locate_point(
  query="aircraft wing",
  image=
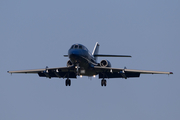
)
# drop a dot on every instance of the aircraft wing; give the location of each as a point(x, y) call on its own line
point(104, 55)
point(27, 71)
point(50, 72)
point(147, 72)
point(108, 72)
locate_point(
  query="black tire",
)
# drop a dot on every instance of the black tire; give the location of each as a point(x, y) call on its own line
point(69, 82)
point(105, 82)
point(66, 82)
point(102, 82)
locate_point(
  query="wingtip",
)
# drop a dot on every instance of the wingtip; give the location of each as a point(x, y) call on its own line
point(171, 72)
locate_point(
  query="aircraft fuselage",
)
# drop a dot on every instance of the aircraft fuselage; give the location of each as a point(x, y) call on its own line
point(80, 57)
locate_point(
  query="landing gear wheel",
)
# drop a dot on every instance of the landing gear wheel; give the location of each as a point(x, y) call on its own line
point(68, 82)
point(103, 82)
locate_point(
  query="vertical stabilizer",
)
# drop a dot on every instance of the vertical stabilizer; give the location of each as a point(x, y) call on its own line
point(96, 50)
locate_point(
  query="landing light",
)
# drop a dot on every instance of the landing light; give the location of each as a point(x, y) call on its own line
point(94, 76)
point(81, 76)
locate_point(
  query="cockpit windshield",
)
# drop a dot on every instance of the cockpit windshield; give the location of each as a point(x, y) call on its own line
point(72, 47)
point(78, 46)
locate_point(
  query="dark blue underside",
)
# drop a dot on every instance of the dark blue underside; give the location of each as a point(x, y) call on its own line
point(118, 75)
point(62, 74)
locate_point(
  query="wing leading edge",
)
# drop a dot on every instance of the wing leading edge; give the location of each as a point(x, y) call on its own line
point(61, 72)
point(101, 69)
point(108, 72)
point(104, 55)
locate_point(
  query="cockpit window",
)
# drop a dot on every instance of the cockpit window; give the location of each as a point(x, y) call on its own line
point(80, 46)
point(72, 46)
point(76, 46)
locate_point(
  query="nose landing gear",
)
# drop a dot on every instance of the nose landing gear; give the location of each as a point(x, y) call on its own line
point(77, 69)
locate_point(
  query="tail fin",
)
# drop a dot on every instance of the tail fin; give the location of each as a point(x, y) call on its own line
point(96, 50)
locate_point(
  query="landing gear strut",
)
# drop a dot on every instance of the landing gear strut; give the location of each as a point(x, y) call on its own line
point(77, 70)
point(68, 82)
point(103, 82)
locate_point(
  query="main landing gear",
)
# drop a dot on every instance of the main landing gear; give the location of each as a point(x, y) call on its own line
point(103, 82)
point(68, 82)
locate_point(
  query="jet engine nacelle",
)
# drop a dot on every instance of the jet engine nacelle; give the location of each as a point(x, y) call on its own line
point(69, 63)
point(105, 63)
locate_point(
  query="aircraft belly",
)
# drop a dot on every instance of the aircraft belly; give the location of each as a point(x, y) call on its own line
point(87, 72)
point(86, 68)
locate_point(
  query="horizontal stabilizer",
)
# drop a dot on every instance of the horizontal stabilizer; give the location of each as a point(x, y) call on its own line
point(103, 55)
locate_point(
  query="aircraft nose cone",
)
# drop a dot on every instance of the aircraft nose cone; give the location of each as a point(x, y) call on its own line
point(74, 54)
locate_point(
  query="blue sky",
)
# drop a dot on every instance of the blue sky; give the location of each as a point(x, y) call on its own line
point(36, 34)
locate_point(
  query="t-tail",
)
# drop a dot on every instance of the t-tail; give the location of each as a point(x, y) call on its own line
point(96, 50)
